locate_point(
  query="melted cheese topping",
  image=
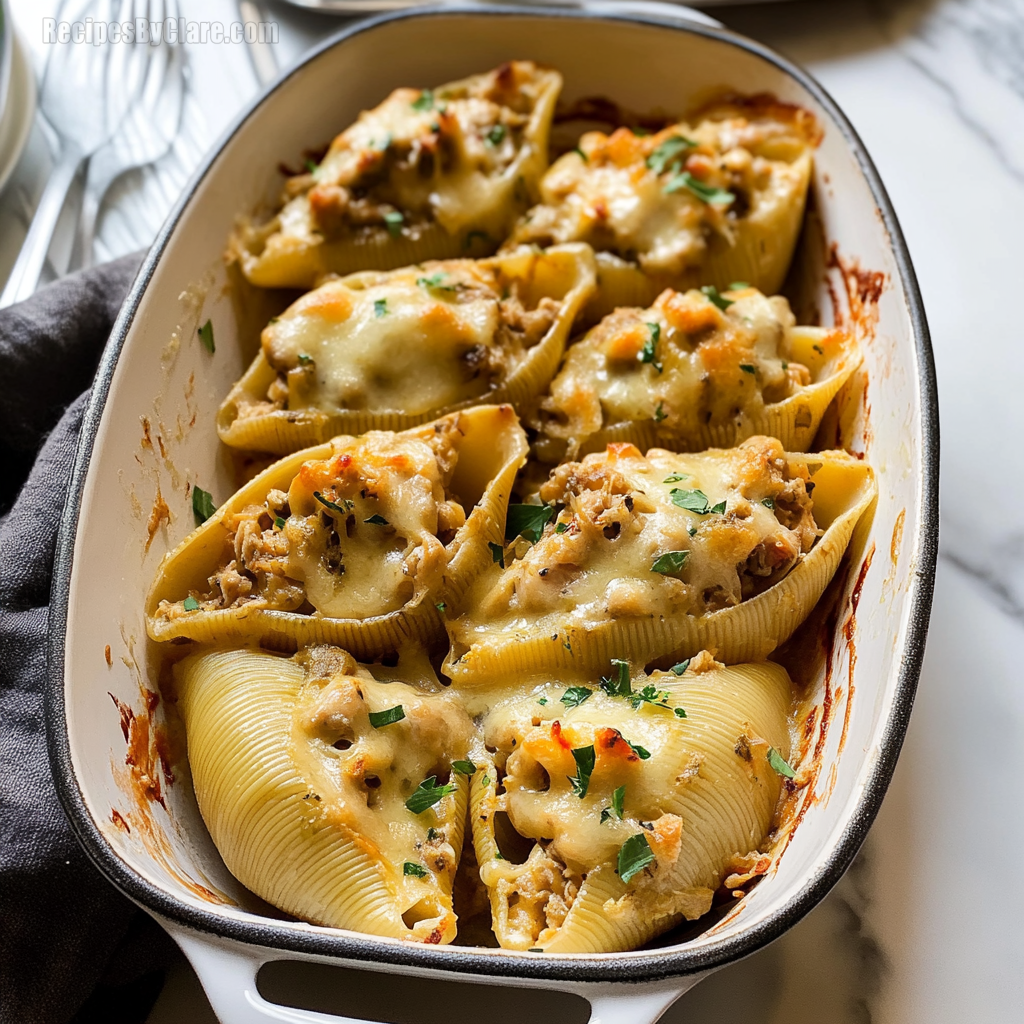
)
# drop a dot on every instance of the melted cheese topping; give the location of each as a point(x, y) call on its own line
point(360, 534)
point(629, 195)
point(430, 155)
point(683, 363)
point(410, 341)
point(624, 545)
point(360, 775)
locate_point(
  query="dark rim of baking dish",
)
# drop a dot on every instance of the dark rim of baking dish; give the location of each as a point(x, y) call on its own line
point(637, 966)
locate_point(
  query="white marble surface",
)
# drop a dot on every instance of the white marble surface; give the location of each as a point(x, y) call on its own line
point(924, 928)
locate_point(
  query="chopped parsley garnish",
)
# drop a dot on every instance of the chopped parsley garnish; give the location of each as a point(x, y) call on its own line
point(584, 758)
point(394, 220)
point(190, 604)
point(711, 293)
point(486, 781)
point(206, 337)
point(817, 348)
point(432, 834)
point(497, 553)
point(436, 283)
point(427, 794)
point(668, 152)
point(659, 413)
point(304, 359)
point(575, 696)
point(737, 286)
point(618, 685)
point(561, 527)
point(670, 562)
point(417, 870)
point(718, 509)
point(779, 763)
point(583, 156)
point(692, 531)
point(202, 505)
point(675, 478)
point(768, 502)
point(377, 520)
point(680, 667)
point(544, 701)
point(311, 166)
point(527, 521)
point(378, 719)
point(748, 368)
point(497, 134)
point(615, 811)
point(464, 767)
point(334, 506)
point(634, 856)
point(380, 307)
point(441, 606)
point(425, 101)
point(279, 522)
point(647, 353)
point(705, 193)
point(693, 501)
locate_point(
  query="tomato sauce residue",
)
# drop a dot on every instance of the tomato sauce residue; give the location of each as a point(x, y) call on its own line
point(863, 291)
point(158, 515)
point(145, 777)
point(849, 629)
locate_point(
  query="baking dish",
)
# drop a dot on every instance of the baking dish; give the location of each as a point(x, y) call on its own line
point(148, 439)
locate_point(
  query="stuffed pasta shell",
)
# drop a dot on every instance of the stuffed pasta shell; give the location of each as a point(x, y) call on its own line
point(615, 807)
point(712, 202)
point(698, 369)
point(395, 348)
point(355, 542)
point(327, 786)
point(647, 557)
point(429, 173)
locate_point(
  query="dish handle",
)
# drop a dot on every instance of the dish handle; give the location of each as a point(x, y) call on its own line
point(228, 970)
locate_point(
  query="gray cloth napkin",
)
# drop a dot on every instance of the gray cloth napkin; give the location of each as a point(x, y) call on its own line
point(72, 948)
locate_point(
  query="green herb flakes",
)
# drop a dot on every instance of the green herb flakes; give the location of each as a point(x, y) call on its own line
point(497, 553)
point(659, 413)
point(497, 134)
point(693, 501)
point(711, 293)
point(464, 767)
point(575, 696)
point(779, 764)
point(670, 562)
point(393, 221)
point(675, 478)
point(585, 758)
point(768, 502)
point(680, 667)
point(527, 521)
point(561, 527)
point(202, 505)
point(427, 794)
point(344, 509)
point(380, 307)
point(748, 368)
point(737, 286)
point(618, 685)
point(190, 604)
point(304, 359)
point(634, 856)
point(667, 153)
point(441, 606)
point(379, 719)
point(206, 337)
point(279, 522)
point(583, 156)
point(425, 101)
point(416, 870)
point(377, 520)
point(705, 193)
point(647, 353)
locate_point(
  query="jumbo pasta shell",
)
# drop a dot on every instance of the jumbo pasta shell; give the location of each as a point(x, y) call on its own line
point(703, 795)
point(282, 763)
point(488, 446)
point(562, 274)
point(747, 631)
point(461, 210)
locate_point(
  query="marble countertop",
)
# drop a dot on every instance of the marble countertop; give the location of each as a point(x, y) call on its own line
point(916, 931)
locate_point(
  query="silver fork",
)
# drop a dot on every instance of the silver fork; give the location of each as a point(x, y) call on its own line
point(86, 91)
point(145, 135)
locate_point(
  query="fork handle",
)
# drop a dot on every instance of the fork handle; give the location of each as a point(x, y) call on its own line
point(29, 266)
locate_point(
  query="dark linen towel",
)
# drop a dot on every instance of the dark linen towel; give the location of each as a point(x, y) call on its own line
point(72, 948)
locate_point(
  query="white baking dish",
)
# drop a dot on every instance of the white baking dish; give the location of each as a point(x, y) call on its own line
point(149, 431)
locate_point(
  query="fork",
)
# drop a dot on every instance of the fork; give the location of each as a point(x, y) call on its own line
point(147, 132)
point(86, 91)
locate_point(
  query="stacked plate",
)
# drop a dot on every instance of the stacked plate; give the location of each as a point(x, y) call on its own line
point(17, 94)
